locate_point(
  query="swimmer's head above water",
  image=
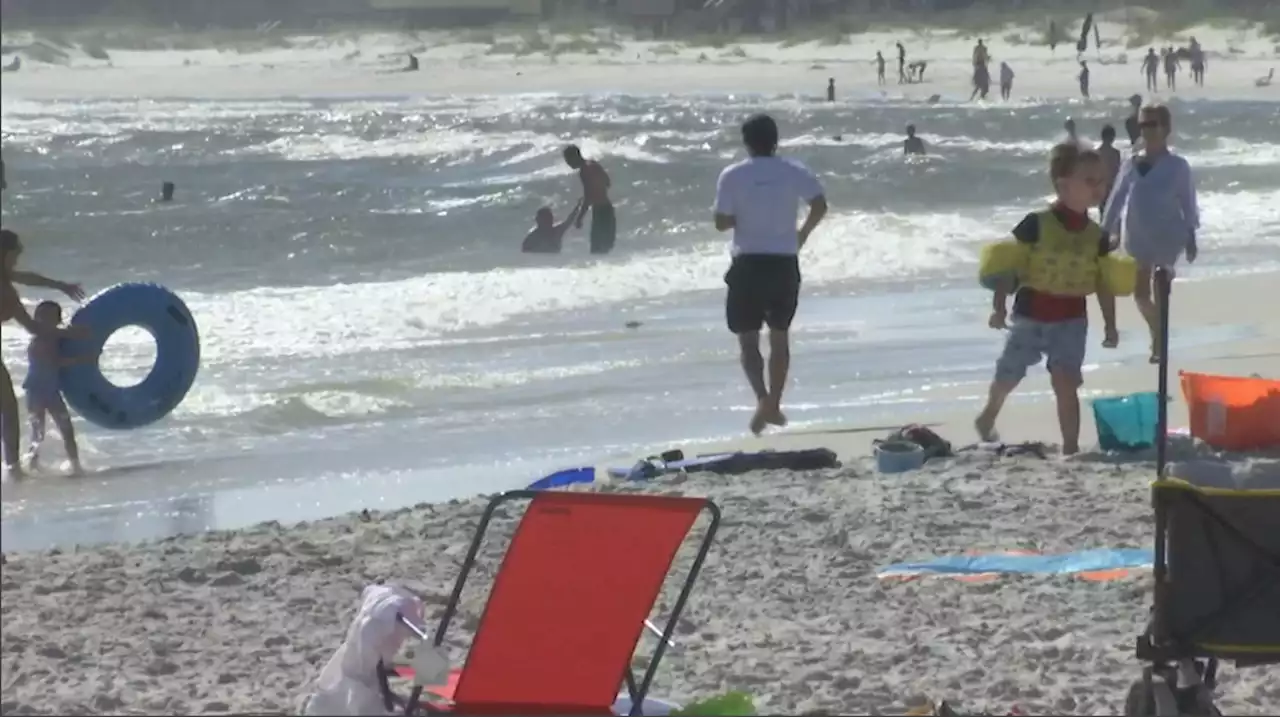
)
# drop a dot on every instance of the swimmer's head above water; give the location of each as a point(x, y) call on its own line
point(911, 130)
point(544, 219)
point(573, 157)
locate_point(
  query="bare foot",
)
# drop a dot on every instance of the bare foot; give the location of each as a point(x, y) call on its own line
point(1070, 449)
point(776, 417)
point(1155, 358)
point(986, 428)
point(759, 420)
point(76, 469)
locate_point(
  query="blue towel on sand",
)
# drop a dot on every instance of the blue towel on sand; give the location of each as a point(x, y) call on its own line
point(1065, 564)
point(569, 476)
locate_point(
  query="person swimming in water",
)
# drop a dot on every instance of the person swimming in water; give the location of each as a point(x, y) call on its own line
point(11, 308)
point(43, 388)
point(595, 196)
point(547, 237)
point(913, 144)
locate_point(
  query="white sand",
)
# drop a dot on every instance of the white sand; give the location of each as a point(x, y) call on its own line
point(788, 607)
point(365, 65)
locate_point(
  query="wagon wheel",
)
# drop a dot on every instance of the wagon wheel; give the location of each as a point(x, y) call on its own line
point(1139, 702)
point(1150, 697)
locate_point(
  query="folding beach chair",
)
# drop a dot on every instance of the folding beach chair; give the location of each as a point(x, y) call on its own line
point(1217, 581)
point(568, 605)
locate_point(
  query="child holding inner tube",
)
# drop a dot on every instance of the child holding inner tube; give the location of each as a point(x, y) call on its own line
point(44, 393)
point(1066, 252)
point(11, 308)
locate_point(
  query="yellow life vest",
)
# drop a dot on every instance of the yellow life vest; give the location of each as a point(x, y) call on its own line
point(1060, 262)
point(1063, 262)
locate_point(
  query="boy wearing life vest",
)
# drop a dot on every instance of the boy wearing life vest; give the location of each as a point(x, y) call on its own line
point(1050, 314)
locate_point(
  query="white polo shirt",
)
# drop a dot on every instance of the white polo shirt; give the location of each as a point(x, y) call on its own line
point(763, 195)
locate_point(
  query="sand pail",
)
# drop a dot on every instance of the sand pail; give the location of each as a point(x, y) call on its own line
point(1127, 423)
point(1233, 413)
point(898, 456)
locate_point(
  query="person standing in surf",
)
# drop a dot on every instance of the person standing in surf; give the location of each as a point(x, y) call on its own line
point(11, 308)
point(595, 197)
point(42, 385)
point(758, 199)
point(1155, 197)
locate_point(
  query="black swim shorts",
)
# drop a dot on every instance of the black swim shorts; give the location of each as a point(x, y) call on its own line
point(604, 228)
point(763, 289)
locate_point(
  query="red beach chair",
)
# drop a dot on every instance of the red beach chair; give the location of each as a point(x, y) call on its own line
point(568, 604)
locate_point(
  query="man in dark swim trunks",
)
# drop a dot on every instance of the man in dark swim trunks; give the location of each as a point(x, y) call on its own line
point(758, 199)
point(595, 196)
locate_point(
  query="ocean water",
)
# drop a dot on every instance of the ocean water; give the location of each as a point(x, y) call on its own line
point(372, 336)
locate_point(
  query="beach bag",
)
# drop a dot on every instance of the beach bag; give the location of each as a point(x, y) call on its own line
point(934, 446)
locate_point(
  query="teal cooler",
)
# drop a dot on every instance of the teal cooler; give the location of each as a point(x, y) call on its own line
point(1127, 423)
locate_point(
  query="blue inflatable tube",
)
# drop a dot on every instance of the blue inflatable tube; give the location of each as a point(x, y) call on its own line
point(162, 314)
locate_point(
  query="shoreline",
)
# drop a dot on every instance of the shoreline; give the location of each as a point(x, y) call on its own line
point(1029, 416)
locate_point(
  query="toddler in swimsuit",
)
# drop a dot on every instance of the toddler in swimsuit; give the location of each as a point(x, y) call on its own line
point(44, 392)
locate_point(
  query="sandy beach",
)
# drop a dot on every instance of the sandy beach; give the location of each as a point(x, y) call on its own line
point(788, 608)
point(240, 621)
point(533, 60)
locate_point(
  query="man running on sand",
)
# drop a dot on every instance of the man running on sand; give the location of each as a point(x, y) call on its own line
point(1155, 197)
point(11, 308)
point(758, 198)
point(595, 195)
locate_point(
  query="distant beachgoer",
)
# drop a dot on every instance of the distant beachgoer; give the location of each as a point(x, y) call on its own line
point(1053, 36)
point(11, 308)
point(14, 65)
point(1006, 80)
point(913, 144)
point(915, 71)
point(758, 199)
point(1051, 321)
point(1171, 67)
point(413, 63)
point(980, 54)
point(981, 82)
point(1070, 128)
point(1111, 161)
point(1150, 65)
point(595, 195)
point(166, 191)
point(1155, 197)
point(44, 392)
point(902, 64)
point(1131, 122)
point(831, 89)
point(547, 237)
point(1084, 79)
point(879, 68)
point(1197, 62)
